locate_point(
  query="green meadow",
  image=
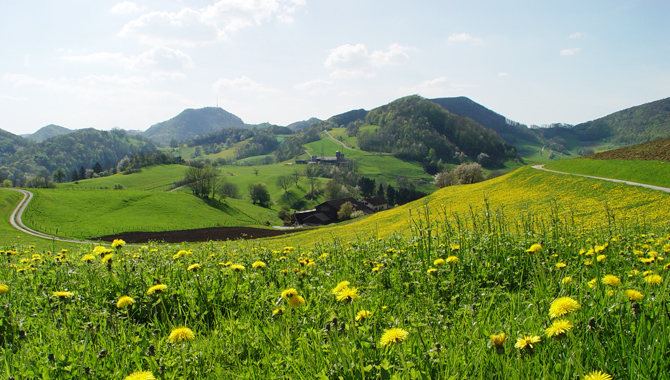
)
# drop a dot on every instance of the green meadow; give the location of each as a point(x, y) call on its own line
point(649, 172)
point(157, 178)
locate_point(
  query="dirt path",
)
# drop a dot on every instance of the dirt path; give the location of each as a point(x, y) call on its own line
point(336, 140)
point(659, 188)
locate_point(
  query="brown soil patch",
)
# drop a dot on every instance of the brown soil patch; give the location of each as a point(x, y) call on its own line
point(199, 235)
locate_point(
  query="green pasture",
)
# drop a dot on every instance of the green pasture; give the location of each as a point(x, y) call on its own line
point(158, 178)
point(648, 172)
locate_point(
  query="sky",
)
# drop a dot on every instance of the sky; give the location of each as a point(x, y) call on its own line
point(131, 64)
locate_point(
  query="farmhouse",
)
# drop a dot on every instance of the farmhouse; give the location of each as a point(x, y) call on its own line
point(338, 159)
point(326, 212)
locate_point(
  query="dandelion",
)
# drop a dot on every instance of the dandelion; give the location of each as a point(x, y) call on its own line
point(611, 280)
point(558, 327)
point(193, 267)
point(561, 265)
point(601, 258)
point(124, 301)
point(348, 295)
point(62, 295)
point(393, 336)
point(146, 375)
point(237, 267)
point(88, 258)
point(527, 341)
point(118, 243)
point(438, 262)
point(653, 279)
point(278, 311)
point(452, 259)
point(592, 283)
point(181, 334)
point(633, 295)
point(562, 306)
point(431, 271)
point(455, 247)
point(107, 258)
point(362, 315)
point(497, 339)
point(258, 264)
point(534, 248)
point(566, 280)
point(597, 375)
point(158, 289)
point(296, 301)
point(289, 293)
point(4, 288)
point(341, 285)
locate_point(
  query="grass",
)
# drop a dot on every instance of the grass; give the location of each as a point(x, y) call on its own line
point(489, 283)
point(158, 178)
point(648, 172)
point(92, 213)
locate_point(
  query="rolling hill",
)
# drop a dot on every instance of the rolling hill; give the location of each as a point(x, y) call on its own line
point(48, 132)
point(191, 123)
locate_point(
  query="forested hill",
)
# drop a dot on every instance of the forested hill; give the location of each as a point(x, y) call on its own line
point(11, 143)
point(48, 132)
point(418, 129)
point(509, 130)
point(191, 123)
point(81, 148)
point(635, 125)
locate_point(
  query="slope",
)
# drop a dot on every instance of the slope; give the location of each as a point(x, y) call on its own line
point(48, 132)
point(190, 123)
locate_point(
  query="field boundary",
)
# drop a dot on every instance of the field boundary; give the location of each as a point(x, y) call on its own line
point(652, 187)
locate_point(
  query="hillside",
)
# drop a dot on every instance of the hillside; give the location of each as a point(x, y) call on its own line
point(510, 131)
point(48, 132)
point(630, 126)
point(658, 150)
point(191, 123)
point(417, 129)
point(11, 143)
point(300, 125)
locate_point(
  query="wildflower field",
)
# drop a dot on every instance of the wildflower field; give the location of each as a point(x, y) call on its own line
point(524, 284)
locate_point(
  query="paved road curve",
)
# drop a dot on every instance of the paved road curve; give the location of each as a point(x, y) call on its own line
point(659, 188)
point(16, 222)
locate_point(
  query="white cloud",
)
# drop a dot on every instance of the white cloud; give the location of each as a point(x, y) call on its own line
point(503, 74)
point(314, 85)
point(158, 59)
point(354, 61)
point(571, 51)
point(240, 84)
point(577, 35)
point(209, 24)
point(126, 7)
point(463, 37)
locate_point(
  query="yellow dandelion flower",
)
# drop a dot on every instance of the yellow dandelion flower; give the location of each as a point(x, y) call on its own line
point(645, 260)
point(181, 334)
point(258, 264)
point(452, 259)
point(146, 375)
point(561, 265)
point(597, 375)
point(62, 295)
point(558, 327)
point(4, 288)
point(158, 289)
point(566, 280)
point(278, 311)
point(534, 248)
point(118, 243)
point(237, 267)
point(341, 285)
point(108, 257)
point(611, 280)
point(497, 339)
point(527, 341)
point(193, 267)
point(124, 301)
point(653, 279)
point(633, 272)
point(289, 293)
point(633, 295)
point(362, 315)
point(296, 301)
point(455, 247)
point(88, 258)
point(438, 262)
point(431, 271)
point(347, 295)
point(393, 336)
point(592, 283)
point(588, 262)
point(562, 306)
point(601, 258)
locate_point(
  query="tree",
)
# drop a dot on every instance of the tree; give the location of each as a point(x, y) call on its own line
point(345, 211)
point(82, 173)
point(229, 189)
point(6, 183)
point(390, 195)
point(367, 186)
point(201, 179)
point(286, 215)
point(380, 192)
point(259, 194)
point(296, 176)
point(59, 175)
point(97, 168)
point(445, 178)
point(284, 181)
point(469, 173)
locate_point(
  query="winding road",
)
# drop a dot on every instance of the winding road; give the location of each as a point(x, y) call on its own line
point(659, 188)
point(16, 221)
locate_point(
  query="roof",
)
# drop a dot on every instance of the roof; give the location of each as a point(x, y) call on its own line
point(376, 201)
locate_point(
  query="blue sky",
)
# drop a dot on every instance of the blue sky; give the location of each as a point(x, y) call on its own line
point(130, 64)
